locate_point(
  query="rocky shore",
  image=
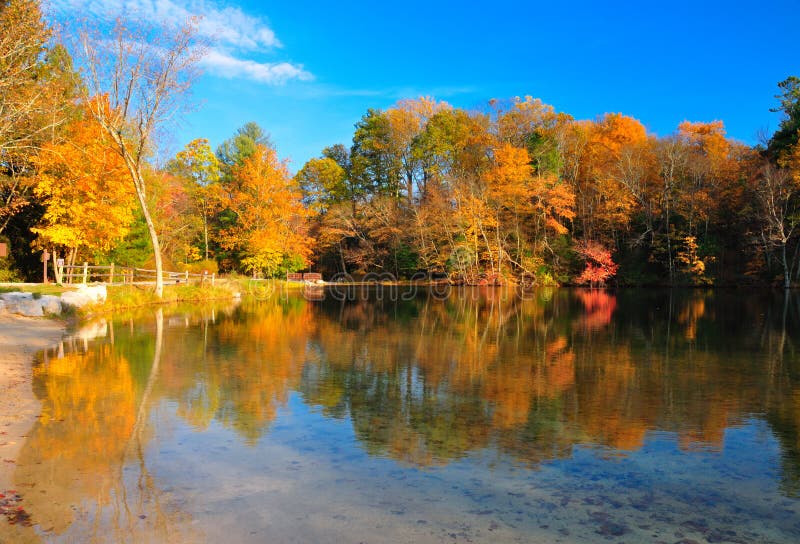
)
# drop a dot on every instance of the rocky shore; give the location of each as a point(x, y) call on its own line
point(33, 305)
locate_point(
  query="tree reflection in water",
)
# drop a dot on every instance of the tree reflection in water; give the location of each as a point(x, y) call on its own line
point(423, 382)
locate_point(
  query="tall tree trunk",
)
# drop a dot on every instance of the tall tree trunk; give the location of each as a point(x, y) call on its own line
point(786, 274)
point(151, 229)
point(669, 241)
point(205, 229)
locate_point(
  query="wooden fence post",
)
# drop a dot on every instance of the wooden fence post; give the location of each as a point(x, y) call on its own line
point(187, 277)
point(85, 272)
point(212, 278)
point(111, 274)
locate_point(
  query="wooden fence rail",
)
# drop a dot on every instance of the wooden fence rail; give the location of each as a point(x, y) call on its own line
point(127, 275)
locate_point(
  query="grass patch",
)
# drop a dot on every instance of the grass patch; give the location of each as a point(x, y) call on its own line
point(37, 289)
point(135, 296)
point(132, 296)
point(264, 289)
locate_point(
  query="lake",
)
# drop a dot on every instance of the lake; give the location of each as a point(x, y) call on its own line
point(454, 415)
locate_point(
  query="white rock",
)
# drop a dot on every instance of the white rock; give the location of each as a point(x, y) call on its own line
point(15, 296)
point(96, 293)
point(50, 304)
point(85, 294)
point(2, 306)
point(26, 307)
point(75, 299)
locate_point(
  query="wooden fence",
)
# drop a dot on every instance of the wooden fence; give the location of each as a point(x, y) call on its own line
point(127, 275)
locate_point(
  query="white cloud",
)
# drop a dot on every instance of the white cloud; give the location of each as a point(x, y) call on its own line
point(221, 64)
point(234, 33)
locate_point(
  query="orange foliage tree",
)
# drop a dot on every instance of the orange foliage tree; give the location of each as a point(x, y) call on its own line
point(271, 221)
point(84, 186)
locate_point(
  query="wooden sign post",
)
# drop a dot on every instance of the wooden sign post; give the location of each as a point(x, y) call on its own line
point(45, 257)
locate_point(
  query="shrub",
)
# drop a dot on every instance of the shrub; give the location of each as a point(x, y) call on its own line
point(210, 266)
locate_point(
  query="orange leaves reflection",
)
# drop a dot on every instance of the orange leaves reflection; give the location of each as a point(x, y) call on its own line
point(77, 448)
point(426, 381)
point(599, 305)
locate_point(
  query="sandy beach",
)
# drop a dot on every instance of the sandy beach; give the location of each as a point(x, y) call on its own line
point(20, 339)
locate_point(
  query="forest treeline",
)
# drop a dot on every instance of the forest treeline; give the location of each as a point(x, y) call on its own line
point(515, 191)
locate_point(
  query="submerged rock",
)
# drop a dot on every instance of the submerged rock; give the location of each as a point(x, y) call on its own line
point(612, 528)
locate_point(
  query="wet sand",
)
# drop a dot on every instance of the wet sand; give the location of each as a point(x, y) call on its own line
point(20, 339)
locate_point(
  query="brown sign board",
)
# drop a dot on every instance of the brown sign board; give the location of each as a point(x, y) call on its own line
point(3, 249)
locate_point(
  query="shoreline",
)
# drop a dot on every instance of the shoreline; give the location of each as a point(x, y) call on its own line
point(20, 339)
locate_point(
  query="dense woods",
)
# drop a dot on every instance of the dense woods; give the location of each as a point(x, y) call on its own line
point(513, 192)
point(521, 190)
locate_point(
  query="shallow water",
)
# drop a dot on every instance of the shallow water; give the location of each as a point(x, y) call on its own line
point(480, 416)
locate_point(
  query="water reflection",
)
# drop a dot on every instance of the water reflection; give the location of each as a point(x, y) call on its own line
point(426, 383)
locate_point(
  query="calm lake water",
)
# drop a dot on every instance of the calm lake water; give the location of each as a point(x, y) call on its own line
point(563, 416)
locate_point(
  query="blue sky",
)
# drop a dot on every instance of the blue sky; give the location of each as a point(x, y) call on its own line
point(306, 70)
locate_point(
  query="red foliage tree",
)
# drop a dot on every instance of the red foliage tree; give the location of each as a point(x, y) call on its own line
point(600, 267)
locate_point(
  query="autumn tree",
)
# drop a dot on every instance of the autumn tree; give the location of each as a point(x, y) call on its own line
point(459, 144)
point(144, 72)
point(270, 228)
point(600, 266)
point(84, 187)
point(373, 164)
point(604, 204)
point(37, 88)
point(518, 121)
point(177, 216)
point(200, 165)
point(406, 122)
point(32, 95)
point(520, 188)
point(231, 153)
point(323, 183)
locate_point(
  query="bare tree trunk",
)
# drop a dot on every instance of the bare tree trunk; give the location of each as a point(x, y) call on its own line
point(141, 194)
point(767, 254)
point(205, 229)
point(786, 274)
point(56, 269)
point(134, 84)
